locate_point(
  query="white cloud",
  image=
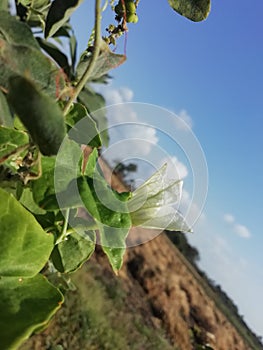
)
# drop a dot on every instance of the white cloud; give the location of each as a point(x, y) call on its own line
point(184, 120)
point(115, 95)
point(228, 218)
point(129, 138)
point(175, 168)
point(240, 230)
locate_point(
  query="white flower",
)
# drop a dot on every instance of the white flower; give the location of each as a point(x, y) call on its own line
point(153, 205)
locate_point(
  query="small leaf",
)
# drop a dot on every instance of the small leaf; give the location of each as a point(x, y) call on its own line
point(83, 128)
point(59, 12)
point(26, 304)
point(70, 254)
point(195, 10)
point(91, 163)
point(73, 49)
point(25, 246)
point(10, 139)
point(106, 61)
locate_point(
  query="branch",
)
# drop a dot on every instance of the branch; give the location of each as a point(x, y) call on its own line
point(82, 82)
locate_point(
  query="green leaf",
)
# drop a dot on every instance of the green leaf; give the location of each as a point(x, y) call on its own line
point(5, 113)
point(28, 202)
point(73, 49)
point(95, 103)
point(10, 139)
point(105, 205)
point(113, 244)
point(83, 128)
point(27, 61)
point(195, 10)
point(110, 211)
point(43, 187)
point(40, 114)
point(106, 61)
point(70, 254)
point(26, 304)
point(33, 11)
point(16, 32)
point(25, 246)
point(56, 54)
point(64, 168)
point(59, 12)
point(152, 204)
point(91, 163)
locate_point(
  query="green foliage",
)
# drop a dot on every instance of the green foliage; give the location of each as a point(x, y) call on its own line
point(71, 253)
point(53, 196)
point(39, 113)
point(195, 10)
point(58, 14)
point(26, 305)
point(27, 299)
point(106, 61)
point(10, 140)
point(25, 247)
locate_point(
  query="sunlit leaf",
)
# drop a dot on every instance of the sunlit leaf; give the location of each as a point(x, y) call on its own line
point(26, 304)
point(195, 10)
point(59, 12)
point(106, 61)
point(25, 246)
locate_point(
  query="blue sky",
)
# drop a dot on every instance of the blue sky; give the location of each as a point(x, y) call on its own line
point(211, 74)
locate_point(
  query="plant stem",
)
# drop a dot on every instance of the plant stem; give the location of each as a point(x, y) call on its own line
point(65, 227)
point(82, 82)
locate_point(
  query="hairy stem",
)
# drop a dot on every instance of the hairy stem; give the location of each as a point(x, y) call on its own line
point(82, 82)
